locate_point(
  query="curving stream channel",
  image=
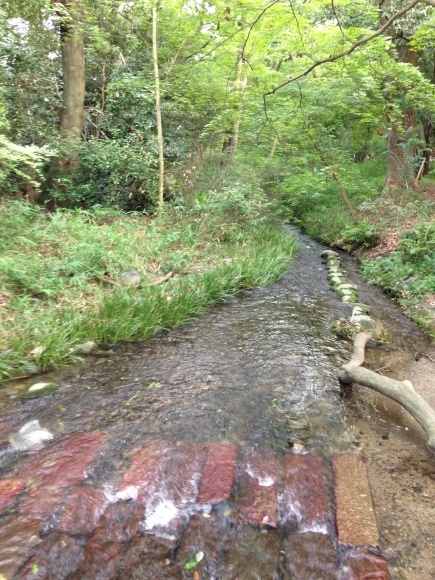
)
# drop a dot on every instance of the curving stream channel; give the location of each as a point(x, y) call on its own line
point(258, 372)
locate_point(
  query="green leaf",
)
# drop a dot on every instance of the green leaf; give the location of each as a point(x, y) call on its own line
point(190, 565)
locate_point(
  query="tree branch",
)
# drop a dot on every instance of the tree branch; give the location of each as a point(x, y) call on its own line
point(354, 46)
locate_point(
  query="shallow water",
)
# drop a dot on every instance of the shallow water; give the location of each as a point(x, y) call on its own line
point(258, 371)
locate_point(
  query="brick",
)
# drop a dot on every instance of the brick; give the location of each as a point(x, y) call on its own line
point(218, 474)
point(63, 463)
point(168, 512)
point(149, 557)
point(44, 502)
point(9, 489)
point(355, 515)
point(204, 534)
point(83, 510)
point(360, 564)
point(257, 494)
point(311, 556)
point(304, 505)
point(57, 557)
point(251, 554)
point(101, 562)
point(142, 479)
point(120, 523)
point(19, 535)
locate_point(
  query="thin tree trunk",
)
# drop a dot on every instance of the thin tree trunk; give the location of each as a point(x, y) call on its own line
point(158, 109)
point(335, 177)
point(240, 83)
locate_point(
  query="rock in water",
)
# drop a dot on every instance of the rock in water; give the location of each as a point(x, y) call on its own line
point(40, 388)
point(130, 278)
point(30, 436)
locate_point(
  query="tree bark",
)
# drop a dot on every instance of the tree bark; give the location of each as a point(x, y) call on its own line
point(73, 69)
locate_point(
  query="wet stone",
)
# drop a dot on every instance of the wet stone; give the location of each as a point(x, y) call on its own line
point(142, 478)
point(83, 510)
point(252, 554)
point(257, 494)
point(44, 502)
point(9, 489)
point(120, 523)
point(149, 557)
point(304, 505)
point(101, 561)
point(19, 535)
point(169, 511)
point(57, 557)
point(355, 514)
point(311, 556)
point(218, 474)
point(360, 564)
point(204, 534)
point(65, 462)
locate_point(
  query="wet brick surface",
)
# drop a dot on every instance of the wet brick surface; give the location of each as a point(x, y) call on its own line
point(188, 511)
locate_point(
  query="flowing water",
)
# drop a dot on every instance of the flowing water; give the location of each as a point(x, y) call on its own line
point(259, 372)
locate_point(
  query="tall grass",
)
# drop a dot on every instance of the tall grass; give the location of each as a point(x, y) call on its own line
point(59, 272)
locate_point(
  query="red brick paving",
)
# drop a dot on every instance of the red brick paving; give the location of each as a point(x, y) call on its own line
point(218, 475)
point(269, 513)
point(305, 505)
point(9, 489)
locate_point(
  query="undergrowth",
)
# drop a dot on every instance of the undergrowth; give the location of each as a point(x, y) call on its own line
point(398, 223)
point(59, 271)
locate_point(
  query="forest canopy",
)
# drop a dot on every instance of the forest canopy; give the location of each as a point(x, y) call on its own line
point(292, 87)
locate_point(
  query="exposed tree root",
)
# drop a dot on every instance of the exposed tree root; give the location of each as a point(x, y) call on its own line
point(400, 391)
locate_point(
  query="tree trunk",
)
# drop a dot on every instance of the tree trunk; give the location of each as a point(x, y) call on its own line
point(400, 157)
point(230, 144)
point(158, 109)
point(73, 69)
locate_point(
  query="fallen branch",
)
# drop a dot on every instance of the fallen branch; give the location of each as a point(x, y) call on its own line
point(402, 392)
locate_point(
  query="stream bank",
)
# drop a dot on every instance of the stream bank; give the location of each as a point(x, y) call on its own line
point(260, 372)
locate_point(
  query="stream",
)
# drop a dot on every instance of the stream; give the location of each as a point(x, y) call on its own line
point(259, 372)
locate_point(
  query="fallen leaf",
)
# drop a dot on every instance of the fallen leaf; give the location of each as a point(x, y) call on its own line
point(196, 575)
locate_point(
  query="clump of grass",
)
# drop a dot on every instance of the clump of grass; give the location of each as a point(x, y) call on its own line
point(59, 271)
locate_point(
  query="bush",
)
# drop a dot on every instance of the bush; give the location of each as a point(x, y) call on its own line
point(119, 173)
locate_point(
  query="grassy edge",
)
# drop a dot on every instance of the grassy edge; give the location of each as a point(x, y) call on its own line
point(136, 314)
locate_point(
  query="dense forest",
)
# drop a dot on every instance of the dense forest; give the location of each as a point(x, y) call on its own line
point(163, 137)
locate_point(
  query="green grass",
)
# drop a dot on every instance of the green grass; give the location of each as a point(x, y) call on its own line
point(58, 272)
point(406, 272)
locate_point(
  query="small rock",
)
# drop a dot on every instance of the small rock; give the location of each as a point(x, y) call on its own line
point(330, 254)
point(130, 278)
point(85, 348)
point(30, 436)
point(40, 388)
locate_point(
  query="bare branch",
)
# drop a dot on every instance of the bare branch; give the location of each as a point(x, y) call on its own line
point(253, 23)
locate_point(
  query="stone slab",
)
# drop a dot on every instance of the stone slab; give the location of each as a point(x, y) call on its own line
point(9, 489)
point(19, 535)
point(304, 505)
point(168, 512)
point(355, 514)
point(57, 557)
point(142, 479)
point(311, 556)
point(257, 494)
point(360, 564)
point(64, 462)
point(82, 512)
point(218, 474)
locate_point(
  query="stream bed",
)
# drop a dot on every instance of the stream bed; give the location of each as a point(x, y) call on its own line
point(259, 372)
